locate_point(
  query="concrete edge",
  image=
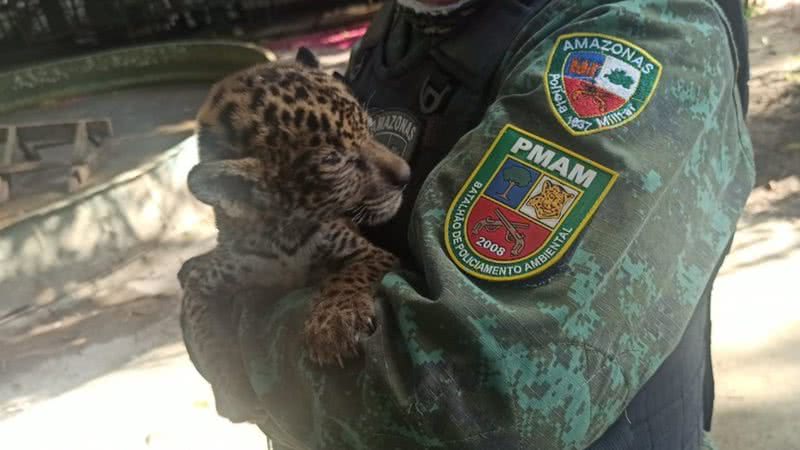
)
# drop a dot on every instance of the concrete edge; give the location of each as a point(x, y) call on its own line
point(47, 252)
point(53, 250)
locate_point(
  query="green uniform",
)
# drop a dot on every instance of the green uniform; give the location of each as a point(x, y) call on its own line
point(629, 111)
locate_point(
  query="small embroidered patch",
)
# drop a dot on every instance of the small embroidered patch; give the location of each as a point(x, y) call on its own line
point(522, 207)
point(597, 82)
point(398, 130)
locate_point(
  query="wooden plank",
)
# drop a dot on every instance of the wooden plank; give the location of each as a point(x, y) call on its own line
point(5, 190)
point(10, 145)
point(30, 166)
point(78, 176)
point(80, 144)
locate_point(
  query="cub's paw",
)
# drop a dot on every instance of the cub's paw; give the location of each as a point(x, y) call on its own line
point(336, 324)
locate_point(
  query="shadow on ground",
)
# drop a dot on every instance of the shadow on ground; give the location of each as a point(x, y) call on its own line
point(98, 328)
point(775, 94)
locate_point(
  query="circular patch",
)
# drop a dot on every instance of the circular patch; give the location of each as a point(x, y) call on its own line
point(597, 82)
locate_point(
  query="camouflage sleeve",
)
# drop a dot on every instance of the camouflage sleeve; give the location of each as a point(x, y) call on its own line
point(564, 243)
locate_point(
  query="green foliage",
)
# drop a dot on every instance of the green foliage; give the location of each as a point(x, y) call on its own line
point(517, 175)
point(753, 8)
point(619, 77)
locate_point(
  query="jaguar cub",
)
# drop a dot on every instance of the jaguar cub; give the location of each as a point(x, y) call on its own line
point(290, 168)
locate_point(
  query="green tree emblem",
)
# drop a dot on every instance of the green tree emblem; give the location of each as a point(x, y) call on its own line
point(620, 78)
point(515, 176)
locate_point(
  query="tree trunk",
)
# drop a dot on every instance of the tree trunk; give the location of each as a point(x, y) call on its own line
point(511, 185)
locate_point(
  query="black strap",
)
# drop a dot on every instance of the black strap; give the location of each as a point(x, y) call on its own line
point(476, 55)
point(735, 15)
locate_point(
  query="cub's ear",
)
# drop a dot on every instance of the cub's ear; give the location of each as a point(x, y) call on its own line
point(237, 186)
point(307, 58)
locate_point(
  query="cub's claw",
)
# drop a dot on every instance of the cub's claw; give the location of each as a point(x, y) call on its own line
point(335, 326)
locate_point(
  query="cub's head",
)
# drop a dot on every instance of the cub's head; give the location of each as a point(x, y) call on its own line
point(288, 138)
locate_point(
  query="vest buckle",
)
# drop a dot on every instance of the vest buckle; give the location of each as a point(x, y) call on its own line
point(432, 98)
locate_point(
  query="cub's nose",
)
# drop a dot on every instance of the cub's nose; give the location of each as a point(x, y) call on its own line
point(392, 168)
point(399, 175)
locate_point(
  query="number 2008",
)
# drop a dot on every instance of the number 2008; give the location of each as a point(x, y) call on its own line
point(491, 246)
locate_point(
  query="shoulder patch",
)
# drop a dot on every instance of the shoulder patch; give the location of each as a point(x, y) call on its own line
point(397, 129)
point(522, 207)
point(597, 82)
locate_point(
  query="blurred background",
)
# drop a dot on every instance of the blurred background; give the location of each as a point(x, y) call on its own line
point(95, 220)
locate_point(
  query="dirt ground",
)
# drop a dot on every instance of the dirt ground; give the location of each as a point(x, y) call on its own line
point(755, 310)
point(106, 369)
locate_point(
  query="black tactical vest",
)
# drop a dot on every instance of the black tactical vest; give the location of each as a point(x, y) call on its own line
point(439, 90)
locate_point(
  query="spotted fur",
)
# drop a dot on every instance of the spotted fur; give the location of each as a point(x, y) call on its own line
point(290, 168)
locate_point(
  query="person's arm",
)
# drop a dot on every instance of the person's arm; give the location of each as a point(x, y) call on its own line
point(548, 361)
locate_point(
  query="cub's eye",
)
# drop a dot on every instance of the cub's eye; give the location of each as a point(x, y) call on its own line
point(331, 159)
point(358, 163)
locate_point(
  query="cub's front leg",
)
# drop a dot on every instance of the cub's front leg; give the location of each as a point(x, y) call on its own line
point(345, 308)
point(208, 317)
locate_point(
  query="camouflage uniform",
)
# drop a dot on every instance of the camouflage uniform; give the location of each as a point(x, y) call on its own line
point(553, 360)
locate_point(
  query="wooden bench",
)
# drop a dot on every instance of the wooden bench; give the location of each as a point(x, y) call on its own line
point(20, 146)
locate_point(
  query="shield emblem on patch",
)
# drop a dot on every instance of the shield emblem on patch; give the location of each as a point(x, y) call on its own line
point(597, 82)
point(523, 207)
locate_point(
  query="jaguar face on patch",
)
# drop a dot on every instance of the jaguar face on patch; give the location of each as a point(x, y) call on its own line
point(550, 202)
